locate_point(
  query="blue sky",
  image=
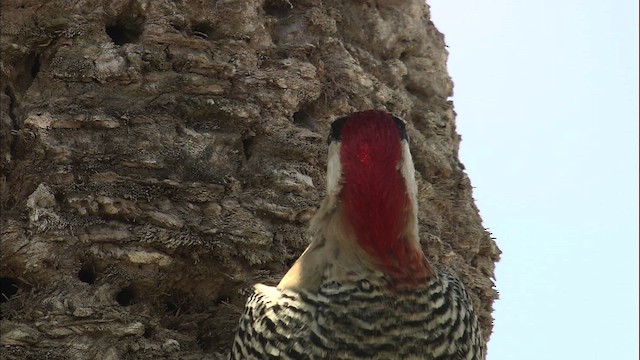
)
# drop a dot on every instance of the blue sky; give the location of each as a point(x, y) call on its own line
point(546, 94)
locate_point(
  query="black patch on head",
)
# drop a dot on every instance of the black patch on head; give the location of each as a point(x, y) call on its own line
point(402, 129)
point(336, 128)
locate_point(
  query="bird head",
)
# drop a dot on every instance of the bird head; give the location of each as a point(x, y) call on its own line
point(371, 179)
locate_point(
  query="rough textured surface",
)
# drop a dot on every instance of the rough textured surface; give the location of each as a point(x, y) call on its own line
point(160, 157)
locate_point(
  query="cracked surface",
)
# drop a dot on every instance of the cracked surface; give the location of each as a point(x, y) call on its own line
point(160, 157)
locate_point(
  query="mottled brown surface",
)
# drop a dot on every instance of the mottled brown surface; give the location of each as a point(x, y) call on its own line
point(160, 157)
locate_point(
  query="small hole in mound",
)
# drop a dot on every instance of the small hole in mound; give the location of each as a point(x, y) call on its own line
point(87, 275)
point(172, 308)
point(59, 196)
point(148, 332)
point(8, 288)
point(125, 297)
point(203, 30)
point(300, 117)
point(121, 34)
point(35, 68)
point(128, 27)
point(247, 147)
point(277, 8)
point(206, 341)
point(303, 119)
point(222, 299)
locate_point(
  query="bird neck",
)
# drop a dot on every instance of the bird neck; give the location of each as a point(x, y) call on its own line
point(382, 227)
point(379, 211)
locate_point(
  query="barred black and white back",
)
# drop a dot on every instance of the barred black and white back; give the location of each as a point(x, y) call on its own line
point(361, 319)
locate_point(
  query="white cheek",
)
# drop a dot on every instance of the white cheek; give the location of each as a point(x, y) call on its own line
point(334, 169)
point(409, 174)
point(408, 171)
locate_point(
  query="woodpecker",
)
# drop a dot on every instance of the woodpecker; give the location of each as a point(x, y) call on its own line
point(363, 288)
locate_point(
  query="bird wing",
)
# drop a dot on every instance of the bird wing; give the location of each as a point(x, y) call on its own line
point(273, 325)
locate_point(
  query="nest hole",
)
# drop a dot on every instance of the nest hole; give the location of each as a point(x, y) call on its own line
point(87, 275)
point(303, 119)
point(8, 288)
point(128, 27)
point(122, 34)
point(35, 68)
point(203, 30)
point(126, 296)
point(247, 147)
point(149, 332)
point(206, 341)
point(222, 299)
point(171, 308)
point(278, 8)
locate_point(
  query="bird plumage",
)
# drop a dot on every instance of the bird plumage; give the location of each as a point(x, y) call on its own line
point(363, 289)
